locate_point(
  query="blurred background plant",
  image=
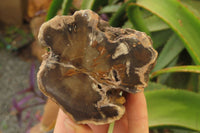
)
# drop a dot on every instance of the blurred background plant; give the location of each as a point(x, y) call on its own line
point(173, 97)
point(27, 98)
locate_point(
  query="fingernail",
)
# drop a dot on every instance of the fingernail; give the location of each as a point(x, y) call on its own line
point(69, 125)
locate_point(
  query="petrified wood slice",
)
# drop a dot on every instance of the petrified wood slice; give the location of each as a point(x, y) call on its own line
point(89, 65)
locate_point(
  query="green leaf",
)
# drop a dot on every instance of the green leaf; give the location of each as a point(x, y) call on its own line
point(154, 23)
point(180, 19)
point(164, 77)
point(194, 81)
point(172, 107)
point(182, 131)
point(92, 4)
point(110, 9)
point(117, 16)
point(110, 2)
point(128, 24)
point(192, 5)
point(53, 9)
point(155, 86)
point(194, 69)
point(135, 17)
point(87, 4)
point(173, 47)
point(160, 37)
point(66, 6)
point(111, 127)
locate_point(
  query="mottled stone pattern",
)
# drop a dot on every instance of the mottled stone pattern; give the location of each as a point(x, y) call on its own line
point(90, 64)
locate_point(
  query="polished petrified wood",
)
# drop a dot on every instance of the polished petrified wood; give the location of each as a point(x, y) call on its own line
point(90, 64)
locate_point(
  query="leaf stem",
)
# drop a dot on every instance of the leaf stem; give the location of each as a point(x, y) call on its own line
point(111, 127)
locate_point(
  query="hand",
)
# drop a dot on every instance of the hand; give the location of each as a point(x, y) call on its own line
point(135, 119)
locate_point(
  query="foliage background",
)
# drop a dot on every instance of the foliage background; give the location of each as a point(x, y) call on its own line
point(172, 95)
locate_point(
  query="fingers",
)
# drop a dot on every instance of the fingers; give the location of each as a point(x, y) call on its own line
point(135, 119)
point(65, 125)
point(99, 128)
point(121, 126)
point(137, 113)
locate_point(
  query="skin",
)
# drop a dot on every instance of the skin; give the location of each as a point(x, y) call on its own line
point(135, 119)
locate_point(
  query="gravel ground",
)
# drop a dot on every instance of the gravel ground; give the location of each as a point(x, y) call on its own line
point(14, 76)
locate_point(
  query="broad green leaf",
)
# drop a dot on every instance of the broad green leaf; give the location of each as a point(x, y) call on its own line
point(145, 13)
point(155, 86)
point(154, 23)
point(160, 37)
point(117, 16)
point(173, 47)
point(192, 5)
point(194, 81)
point(164, 77)
point(128, 24)
point(182, 131)
point(135, 17)
point(87, 4)
point(66, 6)
point(193, 69)
point(53, 9)
point(110, 8)
point(110, 2)
point(198, 83)
point(180, 19)
point(173, 107)
point(92, 4)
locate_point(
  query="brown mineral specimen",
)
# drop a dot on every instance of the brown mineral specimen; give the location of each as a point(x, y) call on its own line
point(90, 64)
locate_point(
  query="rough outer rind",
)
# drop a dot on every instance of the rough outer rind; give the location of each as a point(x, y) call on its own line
point(89, 63)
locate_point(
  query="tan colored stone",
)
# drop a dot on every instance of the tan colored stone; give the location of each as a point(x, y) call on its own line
point(90, 64)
